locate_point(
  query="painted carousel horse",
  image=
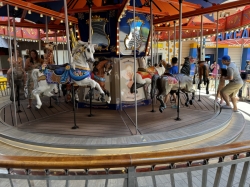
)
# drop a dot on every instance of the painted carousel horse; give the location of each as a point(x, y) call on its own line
point(203, 74)
point(101, 67)
point(166, 83)
point(144, 74)
point(78, 72)
point(19, 77)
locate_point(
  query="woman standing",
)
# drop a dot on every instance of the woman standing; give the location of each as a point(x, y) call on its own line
point(215, 69)
point(33, 62)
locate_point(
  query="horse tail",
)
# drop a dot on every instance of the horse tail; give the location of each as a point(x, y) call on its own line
point(153, 85)
point(34, 76)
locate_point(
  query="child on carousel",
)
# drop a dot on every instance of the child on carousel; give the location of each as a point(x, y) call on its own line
point(16, 64)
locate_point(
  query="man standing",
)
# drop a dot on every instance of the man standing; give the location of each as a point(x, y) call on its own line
point(235, 83)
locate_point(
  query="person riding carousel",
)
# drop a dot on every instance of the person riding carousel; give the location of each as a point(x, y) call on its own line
point(16, 64)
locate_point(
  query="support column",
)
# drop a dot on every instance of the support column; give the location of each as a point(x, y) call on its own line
point(174, 38)
point(201, 41)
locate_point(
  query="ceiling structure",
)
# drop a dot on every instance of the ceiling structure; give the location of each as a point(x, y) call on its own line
point(34, 12)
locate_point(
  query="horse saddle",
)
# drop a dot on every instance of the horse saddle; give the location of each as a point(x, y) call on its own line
point(58, 69)
point(168, 74)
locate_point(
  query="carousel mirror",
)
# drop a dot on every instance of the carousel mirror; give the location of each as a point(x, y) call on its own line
point(99, 35)
point(135, 34)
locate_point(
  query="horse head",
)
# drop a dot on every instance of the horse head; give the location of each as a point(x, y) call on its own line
point(85, 49)
point(49, 46)
point(142, 62)
point(108, 67)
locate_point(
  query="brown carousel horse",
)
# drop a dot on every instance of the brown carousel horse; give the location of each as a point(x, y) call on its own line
point(203, 72)
point(101, 67)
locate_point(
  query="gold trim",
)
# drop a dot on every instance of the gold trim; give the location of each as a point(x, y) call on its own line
point(83, 68)
point(41, 78)
point(99, 19)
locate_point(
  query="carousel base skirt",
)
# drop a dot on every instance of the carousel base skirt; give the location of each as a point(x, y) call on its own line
point(110, 131)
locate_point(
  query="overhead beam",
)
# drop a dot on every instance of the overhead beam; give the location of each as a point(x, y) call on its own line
point(40, 10)
point(201, 11)
point(187, 28)
point(186, 4)
point(95, 9)
point(146, 10)
point(34, 26)
point(123, 5)
point(24, 15)
point(41, 1)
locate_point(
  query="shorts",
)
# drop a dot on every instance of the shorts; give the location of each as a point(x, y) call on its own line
point(231, 89)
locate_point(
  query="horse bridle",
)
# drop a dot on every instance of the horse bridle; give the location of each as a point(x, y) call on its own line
point(108, 62)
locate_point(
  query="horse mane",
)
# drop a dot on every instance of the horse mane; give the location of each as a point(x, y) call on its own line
point(186, 67)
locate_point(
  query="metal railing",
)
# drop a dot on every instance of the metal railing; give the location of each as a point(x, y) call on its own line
point(165, 168)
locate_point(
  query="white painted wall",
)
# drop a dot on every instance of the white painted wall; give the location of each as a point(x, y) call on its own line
point(236, 55)
point(185, 50)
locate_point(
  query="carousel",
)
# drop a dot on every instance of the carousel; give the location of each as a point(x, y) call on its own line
point(112, 91)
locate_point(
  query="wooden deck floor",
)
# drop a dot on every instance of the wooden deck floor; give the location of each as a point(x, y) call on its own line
point(105, 123)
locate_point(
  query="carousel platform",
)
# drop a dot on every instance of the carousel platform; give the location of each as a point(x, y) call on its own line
point(111, 131)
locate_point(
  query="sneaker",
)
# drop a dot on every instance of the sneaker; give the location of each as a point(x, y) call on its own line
point(174, 106)
point(226, 107)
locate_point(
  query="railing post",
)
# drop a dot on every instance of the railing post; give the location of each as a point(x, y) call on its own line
point(131, 177)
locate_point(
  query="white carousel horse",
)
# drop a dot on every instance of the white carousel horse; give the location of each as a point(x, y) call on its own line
point(167, 83)
point(144, 74)
point(78, 72)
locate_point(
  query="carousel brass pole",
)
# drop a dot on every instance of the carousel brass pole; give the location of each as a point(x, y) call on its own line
point(90, 24)
point(58, 85)
point(67, 30)
point(179, 57)
point(11, 60)
point(216, 76)
point(201, 40)
point(39, 42)
point(135, 69)
point(151, 47)
point(201, 53)
point(69, 59)
point(168, 46)
point(174, 38)
point(15, 51)
point(46, 28)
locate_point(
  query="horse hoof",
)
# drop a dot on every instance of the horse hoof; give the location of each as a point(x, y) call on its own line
point(38, 106)
point(191, 102)
point(161, 109)
point(207, 92)
point(186, 104)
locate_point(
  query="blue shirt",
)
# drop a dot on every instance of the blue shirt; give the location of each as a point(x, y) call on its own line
point(174, 70)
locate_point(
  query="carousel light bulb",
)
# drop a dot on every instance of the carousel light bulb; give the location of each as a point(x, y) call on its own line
point(52, 18)
point(61, 21)
point(70, 23)
point(246, 26)
point(29, 12)
point(207, 30)
point(187, 19)
point(41, 15)
point(16, 8)
point(1, 3)
point(210, 14)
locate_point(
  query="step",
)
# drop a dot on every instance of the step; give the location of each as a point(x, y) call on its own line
point(228, 135)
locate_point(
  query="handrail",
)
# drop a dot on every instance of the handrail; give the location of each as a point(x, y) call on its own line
point(126, 160)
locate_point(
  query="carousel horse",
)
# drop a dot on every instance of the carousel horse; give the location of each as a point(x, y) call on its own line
point(167, 82)
point(101, 67)
point(203, 74)
point(78, 72)
point(144, 74)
